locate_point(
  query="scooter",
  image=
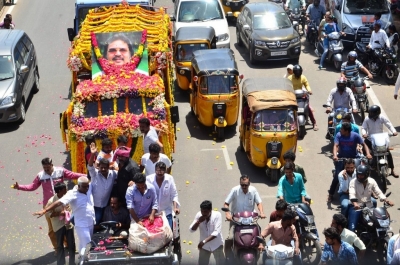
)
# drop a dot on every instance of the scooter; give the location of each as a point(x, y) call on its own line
point(303, 111)
point(334, 118)
point(374, 228)
point(277, 254)
point(335, 50)
point(380, 145)
point(246, 229)
point(359, 88)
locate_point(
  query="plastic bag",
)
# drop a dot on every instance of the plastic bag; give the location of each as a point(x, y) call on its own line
point(150, 239)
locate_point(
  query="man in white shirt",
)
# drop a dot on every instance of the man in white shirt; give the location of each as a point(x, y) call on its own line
point(243, 198)
point(373, 124)
point(154, 156)
point(102, 182)
point(347, 175)
point(149, 134)
point(167, 195)
point(80, 200)
point(378, 38)
point(209, 223)
point(339, 222)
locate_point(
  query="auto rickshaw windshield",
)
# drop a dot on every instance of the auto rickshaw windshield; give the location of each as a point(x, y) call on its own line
point(184, 52)
point(274, 120)
point(218, 84)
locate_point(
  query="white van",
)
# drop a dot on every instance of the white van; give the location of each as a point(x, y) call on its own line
point(193, 13)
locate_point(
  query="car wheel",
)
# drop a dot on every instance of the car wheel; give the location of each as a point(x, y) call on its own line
point(23, 112)
point(251, 52)
point(36, 85)
point(238, 39)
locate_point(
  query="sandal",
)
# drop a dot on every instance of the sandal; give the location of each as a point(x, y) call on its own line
point(329, 199)
point(315, 127)
point(394, 175)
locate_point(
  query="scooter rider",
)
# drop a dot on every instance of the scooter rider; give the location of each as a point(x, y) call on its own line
point(361, 189)
point(374, 124)
point(352, 66)
point(342, 97)
point(293, 4)
point(243, 198)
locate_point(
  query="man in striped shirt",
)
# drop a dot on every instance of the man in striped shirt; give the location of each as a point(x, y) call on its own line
point(350, 68)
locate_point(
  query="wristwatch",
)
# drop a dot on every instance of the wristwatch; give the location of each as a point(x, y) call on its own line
point(204, 241)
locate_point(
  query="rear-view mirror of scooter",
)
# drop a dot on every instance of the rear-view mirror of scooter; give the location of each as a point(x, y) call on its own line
point(325, 106)
point(387, 195)
point(224, 209)
point(261, 240)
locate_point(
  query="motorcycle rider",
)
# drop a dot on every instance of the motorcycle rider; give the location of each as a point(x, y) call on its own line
point(298, 81)
point(347, 118)
point(293, 4)
point(374, 124)
point(291, 186)
point(360, 191)
point(290, 156)
point(342, 97)
point(280, 208)
point(344, 177)
point(350, 68)
point(243, 198)
point(314, 12)
point(378, 38)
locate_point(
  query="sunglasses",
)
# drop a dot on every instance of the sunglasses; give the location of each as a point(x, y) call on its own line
point(244, 185)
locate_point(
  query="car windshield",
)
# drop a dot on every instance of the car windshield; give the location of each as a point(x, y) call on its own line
point(271, 21)
point(6, 67)
point(199, 11)
point(365, 6)
point(184, 52)
point(274, 120)
point(218, 84)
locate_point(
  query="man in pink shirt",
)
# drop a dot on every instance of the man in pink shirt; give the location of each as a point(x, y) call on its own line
point(47, 178)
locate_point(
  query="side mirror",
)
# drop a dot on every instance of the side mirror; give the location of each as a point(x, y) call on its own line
point(260, 240)
point(224, 209)
point(246, 27)
point(174, 114)
point(172, 18)
point(24, 69)
point(325, 106)
point(71, 34)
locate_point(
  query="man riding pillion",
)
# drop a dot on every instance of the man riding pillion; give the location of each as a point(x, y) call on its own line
point(299, 81)
point(243, 198)
point(342, 97)
point(360, 191)
point(350, 68)
point(374, 124)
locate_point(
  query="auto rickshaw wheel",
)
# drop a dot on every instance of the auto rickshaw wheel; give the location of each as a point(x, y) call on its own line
point(241, 147)
point(274, 175)
point(220, 132)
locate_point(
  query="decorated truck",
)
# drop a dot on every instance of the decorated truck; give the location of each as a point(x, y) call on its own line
point(126, 52)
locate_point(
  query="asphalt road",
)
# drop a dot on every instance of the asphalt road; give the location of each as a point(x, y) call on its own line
point(199, 160)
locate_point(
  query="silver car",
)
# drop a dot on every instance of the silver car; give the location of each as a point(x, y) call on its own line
point(19, 74)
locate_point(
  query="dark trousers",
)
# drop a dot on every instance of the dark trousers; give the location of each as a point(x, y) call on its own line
point(389, 156)
point(69, 234)
point(339, 165)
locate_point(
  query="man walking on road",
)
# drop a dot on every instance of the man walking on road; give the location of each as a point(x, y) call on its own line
point(47, 178)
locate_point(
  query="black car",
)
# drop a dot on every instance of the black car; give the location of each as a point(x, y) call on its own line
point(267, 33)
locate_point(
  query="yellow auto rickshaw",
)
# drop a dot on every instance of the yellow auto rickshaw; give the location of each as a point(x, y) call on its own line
point(232, 8)
point(215, 94)
point(268, 126)
point(187, 41)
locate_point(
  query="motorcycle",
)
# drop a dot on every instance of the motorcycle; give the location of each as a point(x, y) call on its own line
point(374, 228)
point(246, 229)
point(382, 62)
point(335, 50)
point(335, 118)
point(306, 231)
point(359, 88)
point(303, 110)
point(298, 15)
point(277, 254)
point(312, 35)
point(380, 146)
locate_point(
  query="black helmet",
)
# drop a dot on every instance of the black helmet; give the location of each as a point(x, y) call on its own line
point(341, 84)
point(297, 71)
point(374, 111)
point(363, 170)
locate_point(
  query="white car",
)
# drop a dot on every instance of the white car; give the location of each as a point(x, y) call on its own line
point(193, 13)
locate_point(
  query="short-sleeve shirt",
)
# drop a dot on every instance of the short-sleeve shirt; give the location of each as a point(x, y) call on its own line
point(316, 13)
point(149, 138)
point(348, 145)
point(350, 70)
point(354, 128)
point(280, 235)
point(240, 202)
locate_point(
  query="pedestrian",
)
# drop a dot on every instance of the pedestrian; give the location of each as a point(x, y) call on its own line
point(10, 17)
point(209, 223)
point(150, 134)
point(167, 194)
point(61, 225)
point(102, 183)
point(127, 169)
point(154, 156)
point(81, 201)
point(337, 251)
point(7, 24)
point(47, 178)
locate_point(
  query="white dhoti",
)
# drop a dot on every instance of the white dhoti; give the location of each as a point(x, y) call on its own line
point(84, 235)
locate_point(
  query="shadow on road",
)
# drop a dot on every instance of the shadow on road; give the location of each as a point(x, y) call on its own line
point(43, 260)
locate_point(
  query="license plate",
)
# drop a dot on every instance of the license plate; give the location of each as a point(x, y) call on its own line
point(382, 229)
point(365, 39)
point(309, 228)
point(246, 231)
point(300, 110)
point(278, 53)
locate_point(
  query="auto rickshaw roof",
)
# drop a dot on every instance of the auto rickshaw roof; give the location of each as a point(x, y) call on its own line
point(264, 93)
point(195, 33)
point(205, 62)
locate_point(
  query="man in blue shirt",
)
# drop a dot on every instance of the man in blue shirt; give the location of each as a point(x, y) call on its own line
point(291, 186)
point(315, 12)
point(345, 146)
point(141, 199)
point(347, 118)
point(336, 251)
point(394, 244)
point(329, 27)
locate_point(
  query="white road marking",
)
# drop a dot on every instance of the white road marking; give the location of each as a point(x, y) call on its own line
point(375, 99)
point(226, 156)
point(10, 8)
